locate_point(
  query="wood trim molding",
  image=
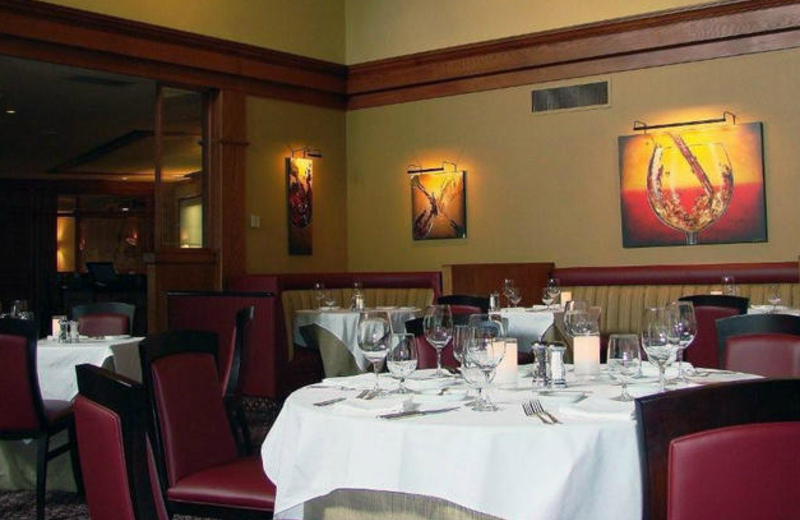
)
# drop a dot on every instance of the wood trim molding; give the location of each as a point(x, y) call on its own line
point(70, 36)
point(700, 33)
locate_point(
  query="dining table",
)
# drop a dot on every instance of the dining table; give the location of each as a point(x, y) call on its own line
point(333, 455)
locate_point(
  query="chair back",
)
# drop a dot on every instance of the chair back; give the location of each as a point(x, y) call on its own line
point(192, 431)
point(459, 310)
point(458, 300)
point(660, 418)
point(764, 344)
point(104, 318)
point(762, 482)
point(708, 309)
point(116, 459)
point(20, 397)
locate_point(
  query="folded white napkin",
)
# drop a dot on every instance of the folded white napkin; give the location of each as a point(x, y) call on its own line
point(598, 408)
point(359, 382)
point(419, 385)
point(379, 405)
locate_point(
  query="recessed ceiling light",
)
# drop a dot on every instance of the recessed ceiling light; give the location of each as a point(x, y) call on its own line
point(124, 178)
point(11, 111)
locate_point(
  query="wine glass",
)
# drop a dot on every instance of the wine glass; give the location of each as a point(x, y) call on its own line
point(374, 329)
point(547, 297)
point(624, 361)
point(729, 285)
point(774, 296)
point(682, 331)
point(514, 297)
point(18, 307)
point(489, 325)
point(655, 341)
point(461, 335)
point(508, 289)
point(481, 358)
point(438, 328)
point(554, 289)
point(401, 359)
point(319, 293)
point(329, 299)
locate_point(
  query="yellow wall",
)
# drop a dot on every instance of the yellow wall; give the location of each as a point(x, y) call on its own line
point(546, 187)
point(313, 28)
point(273, 127)
point(383, 28)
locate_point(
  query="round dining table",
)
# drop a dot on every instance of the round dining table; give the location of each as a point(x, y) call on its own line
point(506, 464)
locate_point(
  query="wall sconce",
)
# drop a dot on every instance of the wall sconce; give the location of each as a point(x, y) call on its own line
point(644, 127)
point(306, 152)
point(416, 169)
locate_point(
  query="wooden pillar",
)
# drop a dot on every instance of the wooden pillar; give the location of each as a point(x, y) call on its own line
point(177, 270)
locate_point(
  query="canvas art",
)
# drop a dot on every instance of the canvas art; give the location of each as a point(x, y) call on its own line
point(300, 203)
point(439, 205)
point(703, 185)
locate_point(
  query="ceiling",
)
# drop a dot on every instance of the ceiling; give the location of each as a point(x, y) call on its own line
point(66, 122)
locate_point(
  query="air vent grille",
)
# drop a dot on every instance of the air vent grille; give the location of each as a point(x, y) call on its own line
point(570, 97)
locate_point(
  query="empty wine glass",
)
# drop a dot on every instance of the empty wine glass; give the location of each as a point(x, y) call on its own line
point(401, 359)
point(508, 289)
point(319, 293)
point(374, 329)
point(547, 297)
point(682, 330)
point(624, 361)
point(554, 289)
point(729, 285)
point(329, 299)
point(774, 296)
point(655, 341)
point(18, 307)
point(461, 335)
point(438, 328)
point(490, 325)
point(481, 358)
point(514, 297)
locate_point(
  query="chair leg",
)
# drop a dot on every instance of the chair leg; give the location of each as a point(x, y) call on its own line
point(42, 445)
point(76, 461)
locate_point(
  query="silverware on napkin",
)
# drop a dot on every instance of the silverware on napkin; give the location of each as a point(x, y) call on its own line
point(416, 413)
point(330, 401)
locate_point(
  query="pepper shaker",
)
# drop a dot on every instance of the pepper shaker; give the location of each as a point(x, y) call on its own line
point(539, 368)
point(556, 369)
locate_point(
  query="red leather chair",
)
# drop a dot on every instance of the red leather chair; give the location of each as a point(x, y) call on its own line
point(708, 308)
point(25, 415)
point(736, 473)
point(661, 418)
point(199, 466)
point(763, 344)
point(111, 418)
point(104, 318)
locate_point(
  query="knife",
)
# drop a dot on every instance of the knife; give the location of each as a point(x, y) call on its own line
point(416, 413)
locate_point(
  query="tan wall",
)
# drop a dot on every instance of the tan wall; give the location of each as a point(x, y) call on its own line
point(272, 128)
point(384, 28)
point(546, 187)
point(313, 28)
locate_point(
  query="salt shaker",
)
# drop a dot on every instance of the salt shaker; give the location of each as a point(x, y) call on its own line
point(539, 368)
point(556, 369)
point(63, 330)
point(74, 335)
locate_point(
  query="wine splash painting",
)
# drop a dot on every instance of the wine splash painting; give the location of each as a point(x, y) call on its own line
point(439, 205)
point(699, 186)
point(300, 203)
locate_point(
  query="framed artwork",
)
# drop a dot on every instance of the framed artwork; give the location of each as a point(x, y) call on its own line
point(300, 204)
point(439, 205)
point(703, 185)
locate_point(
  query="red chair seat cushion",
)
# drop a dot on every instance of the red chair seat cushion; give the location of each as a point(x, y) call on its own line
point(103, 324)
point(56, 411)
point(241, 483)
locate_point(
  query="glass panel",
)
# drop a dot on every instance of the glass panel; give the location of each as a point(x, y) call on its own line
point(65, 244)
point(182, 188)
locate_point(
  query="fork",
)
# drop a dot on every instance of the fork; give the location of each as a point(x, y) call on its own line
point(538, 408)
point(527, 407)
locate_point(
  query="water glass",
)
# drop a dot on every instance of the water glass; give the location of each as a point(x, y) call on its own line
point(373, 332)
point(401, 359)
point(682, 331)
point(483, 354)
point(508, 289)
point(774, 295)
point(623, 361)
point(660, 350)
point(461, 335)
point(438, 328)
point(329, 299)
point(18, 307)
point(319, 293)
point(729, 285)
point(514, 297)
point(547, 297)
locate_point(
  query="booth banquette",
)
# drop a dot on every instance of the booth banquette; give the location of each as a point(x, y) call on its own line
point(624, 292)
point(295, 292)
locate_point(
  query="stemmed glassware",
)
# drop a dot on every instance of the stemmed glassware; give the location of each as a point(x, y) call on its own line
point(624, 361)
point(374, 328)
point(319, 293)
point(481, 358)
point(514, 297)
point(509, 289)
point(553, 289)
point(18, 308)
point(682, 331)
point(656, 342)
point(438, 328)
point(401, 359)
point(461, 335)
point(729, 285)
point(774, 296)
point(547, 297)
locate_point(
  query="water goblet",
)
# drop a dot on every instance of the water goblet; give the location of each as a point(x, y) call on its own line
point(660, 350)
point(438, 328)
point(18, 307)
point(729, 285)
point(483, 353)
point(508, 289)
point(682, 331)
point(373, 333)
point(554, 289)
point(401, 359)
point(319, 293)
point(624, 361)
point(774, 296)
point(547, 297)
point(329, 299)
point(514, 297)
point(489, 325)
point(461, 335)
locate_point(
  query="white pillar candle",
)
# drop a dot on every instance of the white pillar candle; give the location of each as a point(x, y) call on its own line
point(566, 296)
point(586, 355)
point(507, 369)
point(56, 328)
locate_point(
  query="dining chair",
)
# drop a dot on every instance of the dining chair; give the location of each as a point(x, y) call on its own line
point(104, 318)
point(481, 302)
point(200, 468)
point(763, 344)
point(25, 415)
point(111, 417)
point(708, 308)
point(662, 418)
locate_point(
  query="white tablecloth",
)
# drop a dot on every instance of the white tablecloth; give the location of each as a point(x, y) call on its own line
point(768, 309)
point(344, 323)
point(497, 463)
point(56, 363)
point(527, 325)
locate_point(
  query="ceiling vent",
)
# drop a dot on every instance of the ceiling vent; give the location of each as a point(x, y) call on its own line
point(571, 97)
